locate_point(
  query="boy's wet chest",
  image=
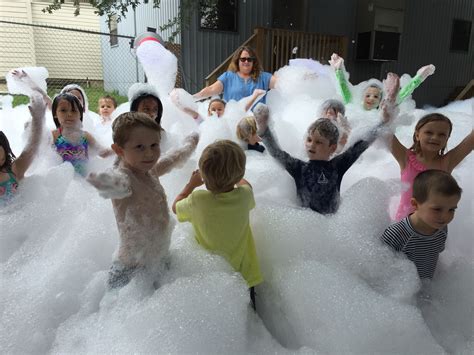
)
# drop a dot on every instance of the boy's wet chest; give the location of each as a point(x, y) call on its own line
point(319, 176)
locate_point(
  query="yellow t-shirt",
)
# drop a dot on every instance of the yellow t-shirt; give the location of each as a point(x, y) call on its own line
point(221, 223)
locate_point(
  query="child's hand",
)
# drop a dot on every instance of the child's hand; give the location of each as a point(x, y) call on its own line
point(19, 73)
point(195, 180)
point(426, 71)
point(336, 62)
point(114, 186)
point(262, 114)
point(391, 87)
point(37, 107)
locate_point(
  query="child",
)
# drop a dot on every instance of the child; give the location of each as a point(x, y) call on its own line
point(144, 98)
point(79, 93)
point(372, 95)
point(138, 199)
point(422, 235)
point(69, 140)
point(427, 152)
point(247, 131)
point(335, 110)
point(107, 105)
point(318, 181)
point(220, 214)
point(13, 169)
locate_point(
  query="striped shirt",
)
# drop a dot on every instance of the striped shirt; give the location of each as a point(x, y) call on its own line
point(423, 250)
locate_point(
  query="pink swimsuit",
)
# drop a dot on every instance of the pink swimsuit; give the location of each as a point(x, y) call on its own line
point(408, 175)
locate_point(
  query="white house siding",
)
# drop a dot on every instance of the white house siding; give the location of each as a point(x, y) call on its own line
point(16, 43)
point(66, 54)
point(121, 68)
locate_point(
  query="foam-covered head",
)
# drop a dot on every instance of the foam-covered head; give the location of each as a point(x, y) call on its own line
point(222, 165)
point(432, 122)
point(73, 101)
point(216, 106)
point(138, 93)
point(78, 92)
point(6, 154)
point(372, 96)
point(126, 122)
point(330, 108)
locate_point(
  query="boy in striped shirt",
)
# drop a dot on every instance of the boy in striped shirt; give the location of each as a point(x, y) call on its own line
point(422, 235)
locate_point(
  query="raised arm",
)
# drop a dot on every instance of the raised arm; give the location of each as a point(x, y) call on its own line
point(389, 111)
point(214, 89)
point(194, 181)
point(22, 163)
point(463, 149)
point(177, 156)
point(255, 95)
point(262, 115)
point(420, 76)
point(185, 102)
point(338, 65)
point(111, 184)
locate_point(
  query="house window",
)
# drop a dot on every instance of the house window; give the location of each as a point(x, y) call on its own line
point(218, 15)
point(151, 29)
point(460, 35)
point(113, 30)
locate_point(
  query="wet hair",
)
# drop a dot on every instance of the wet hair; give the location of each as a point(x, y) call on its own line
point(108, 97)
point(74, 101)
point(246, 127)
point(378, 87)
point(136, 102)
point(432, 117)
point(325, 128)
point(216, 100)
point(222, 165)
point(434, 181)
point(124, 123)
point(9, 156)
point(234, 63)
point(336, 105)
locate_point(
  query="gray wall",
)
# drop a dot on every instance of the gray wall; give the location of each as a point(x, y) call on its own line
point(425, 40)
point(203, 50)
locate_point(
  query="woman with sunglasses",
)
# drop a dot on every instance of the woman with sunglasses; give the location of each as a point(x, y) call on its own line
point(241, 79)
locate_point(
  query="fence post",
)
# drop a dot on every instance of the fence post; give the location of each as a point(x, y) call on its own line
point(260, 45)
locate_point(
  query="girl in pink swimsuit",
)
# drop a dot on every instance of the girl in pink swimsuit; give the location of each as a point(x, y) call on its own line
point(427, 152)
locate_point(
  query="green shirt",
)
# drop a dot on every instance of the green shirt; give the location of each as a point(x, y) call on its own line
point(221, 223)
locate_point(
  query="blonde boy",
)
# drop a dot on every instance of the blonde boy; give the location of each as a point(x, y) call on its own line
point(422, 235)
point(138, 199)
point(247, 131)
point(220, 214)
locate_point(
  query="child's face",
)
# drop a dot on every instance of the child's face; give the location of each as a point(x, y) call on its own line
point(216, 107)
point(436, 212)
point(433, 136)
point(142, 150)
point(106, 107)
point(330, 113)
point(318, 147)
point(68, 115)
point(78, 95)
point(149, 106)
point(254, 139)
point(371, 98)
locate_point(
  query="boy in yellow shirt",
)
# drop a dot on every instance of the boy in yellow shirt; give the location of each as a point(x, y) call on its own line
point(220, 214)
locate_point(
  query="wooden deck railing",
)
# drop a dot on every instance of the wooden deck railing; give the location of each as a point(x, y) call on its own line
point(464, 93)
point(275, 47)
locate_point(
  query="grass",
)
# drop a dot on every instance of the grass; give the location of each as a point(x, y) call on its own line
point(93, 95)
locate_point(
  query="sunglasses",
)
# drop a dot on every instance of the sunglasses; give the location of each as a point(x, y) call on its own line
point(246, 59)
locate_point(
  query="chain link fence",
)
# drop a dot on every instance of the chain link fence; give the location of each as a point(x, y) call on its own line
point(100, 64)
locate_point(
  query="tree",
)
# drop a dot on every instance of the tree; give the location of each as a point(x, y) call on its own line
point(120, 8)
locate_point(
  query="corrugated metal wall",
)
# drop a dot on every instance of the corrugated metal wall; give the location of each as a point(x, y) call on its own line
point(203, 50)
